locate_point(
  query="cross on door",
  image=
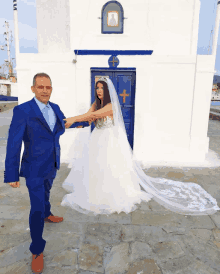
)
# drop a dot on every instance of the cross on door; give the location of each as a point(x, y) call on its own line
point(124, 95)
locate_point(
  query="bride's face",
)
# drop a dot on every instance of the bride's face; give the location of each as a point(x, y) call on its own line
point(100, 90)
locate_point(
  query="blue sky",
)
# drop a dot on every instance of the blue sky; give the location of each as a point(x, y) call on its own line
point(28, 24)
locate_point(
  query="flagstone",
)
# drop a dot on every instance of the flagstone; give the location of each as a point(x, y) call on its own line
point(85, 272)
point(216, 233)
point(65, 227)
point(72, 215)
point(117, 261)
point(154, 206)
point(15, 254)
point(168, 250)
point(11, 240)
point(140, 217)
point(65, 258)
point(107, 233)
point(59, 270)
point(144, 206)
point(140, 251)
point(20, 267)
point(121, 218)
point(171, 219)
point(14, 212)
point(216, 219)
point(204, 234)
point(206, 252)
point(90, 258)
point(57, 241)
point(175, 265)
point(194, 267)
point(13, 226)
point(147, 266)
point(142, 233)
point(176, 175)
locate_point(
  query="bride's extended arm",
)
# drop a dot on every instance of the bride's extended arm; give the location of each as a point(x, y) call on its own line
point(103, 112)
point(80, 118)
point(91, 115)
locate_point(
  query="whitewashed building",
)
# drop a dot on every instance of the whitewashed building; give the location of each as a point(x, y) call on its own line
point(3, 89)
point(149, 49)
point(7, 87)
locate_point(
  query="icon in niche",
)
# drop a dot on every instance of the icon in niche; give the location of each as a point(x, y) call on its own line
point(113, 19)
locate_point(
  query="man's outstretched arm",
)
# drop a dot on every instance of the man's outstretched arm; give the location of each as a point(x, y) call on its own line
point(77, 125)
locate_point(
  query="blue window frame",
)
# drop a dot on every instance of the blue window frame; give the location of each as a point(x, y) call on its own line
point(112, 17)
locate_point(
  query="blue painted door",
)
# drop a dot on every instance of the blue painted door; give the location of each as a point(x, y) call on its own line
point(125, 83)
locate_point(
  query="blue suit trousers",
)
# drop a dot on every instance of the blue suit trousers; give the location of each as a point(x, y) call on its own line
point(39, 192)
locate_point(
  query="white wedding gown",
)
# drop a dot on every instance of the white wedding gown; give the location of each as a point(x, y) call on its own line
point(104, 180)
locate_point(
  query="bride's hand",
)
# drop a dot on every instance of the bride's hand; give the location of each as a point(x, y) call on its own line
point(69, 121)
point(91, 120)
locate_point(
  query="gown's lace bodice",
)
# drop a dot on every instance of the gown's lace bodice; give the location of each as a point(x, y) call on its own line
point(106, 122)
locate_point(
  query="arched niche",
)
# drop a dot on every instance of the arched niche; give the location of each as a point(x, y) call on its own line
point(112, 17)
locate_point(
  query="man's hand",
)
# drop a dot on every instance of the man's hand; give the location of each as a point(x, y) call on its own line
point(69, 121)
point(79, 126)
point(15, 184)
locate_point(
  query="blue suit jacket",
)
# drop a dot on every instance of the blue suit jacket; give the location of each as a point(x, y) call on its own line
point(41, 145)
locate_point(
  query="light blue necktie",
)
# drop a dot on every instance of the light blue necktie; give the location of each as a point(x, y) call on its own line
point(49, 117)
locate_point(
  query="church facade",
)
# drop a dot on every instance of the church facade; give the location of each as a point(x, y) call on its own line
point(149, 50)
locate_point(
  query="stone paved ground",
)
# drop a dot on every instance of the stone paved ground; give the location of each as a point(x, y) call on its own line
point(151, 240)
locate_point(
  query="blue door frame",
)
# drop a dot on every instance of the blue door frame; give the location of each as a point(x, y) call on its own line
point(124, 80)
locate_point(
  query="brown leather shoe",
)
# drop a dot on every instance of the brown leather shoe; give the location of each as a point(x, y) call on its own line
point(37, 264)
point(53, 219)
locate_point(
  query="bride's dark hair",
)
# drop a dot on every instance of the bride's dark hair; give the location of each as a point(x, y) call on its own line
point(106, 96)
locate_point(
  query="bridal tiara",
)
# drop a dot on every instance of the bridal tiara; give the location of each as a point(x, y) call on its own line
point(102, 79)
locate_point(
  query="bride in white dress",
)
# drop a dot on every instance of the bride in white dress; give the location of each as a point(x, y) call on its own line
point(108, 179)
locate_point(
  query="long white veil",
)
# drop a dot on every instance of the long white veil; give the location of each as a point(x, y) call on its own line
point(183, 198)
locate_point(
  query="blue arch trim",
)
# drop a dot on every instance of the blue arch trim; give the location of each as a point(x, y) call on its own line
point(113, 52)
point(113, 2)
point(112, 69)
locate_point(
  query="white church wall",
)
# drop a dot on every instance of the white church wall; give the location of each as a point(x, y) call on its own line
point(174, 26)
point(167, 110)
point(170, 121)
point(53, 26)
point(201, 104)
point(167, 27)
point(172, 85)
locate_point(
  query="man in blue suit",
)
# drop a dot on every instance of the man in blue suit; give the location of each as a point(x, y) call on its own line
point(39, 124)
